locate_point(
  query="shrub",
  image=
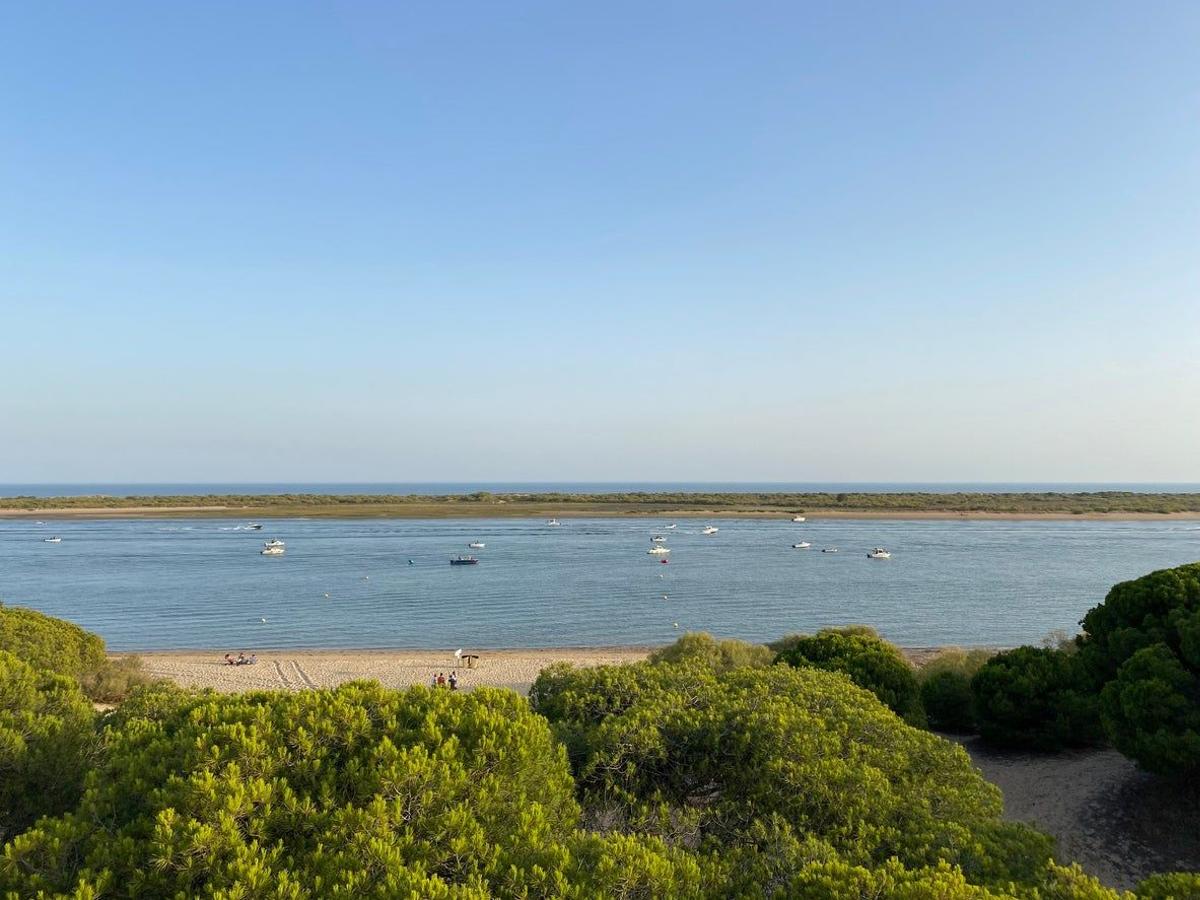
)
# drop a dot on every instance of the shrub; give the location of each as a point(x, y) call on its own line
point(1035, 698)
point(1151, 712)
point(48, 643)
point(870, 661)
point(47, 739)
point(946, 689)
point(719, 655)
point(116, 679)
point(353, 792)
point(1170, 886)
point(1143, 645)
point(722, 761)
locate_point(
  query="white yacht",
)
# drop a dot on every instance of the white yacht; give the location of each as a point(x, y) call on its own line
point(253, 526)
point(672, 527)
point(798, 519)
point(52, 540)
point(658, 539)
point(274, 542)
point(879, 553)
point(711, 529)
point(803, 545)
point(553, 523)
point(658, 550)
point(477, 545)
point(272, 551)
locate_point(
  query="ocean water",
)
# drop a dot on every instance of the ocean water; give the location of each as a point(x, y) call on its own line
point(574, 487)
point(167, 584)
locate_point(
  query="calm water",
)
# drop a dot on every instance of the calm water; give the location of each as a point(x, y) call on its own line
point(153, 584)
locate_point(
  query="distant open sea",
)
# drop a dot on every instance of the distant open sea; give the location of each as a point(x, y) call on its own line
point(581, 487)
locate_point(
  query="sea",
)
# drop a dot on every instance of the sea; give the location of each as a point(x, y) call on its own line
point(160, 584)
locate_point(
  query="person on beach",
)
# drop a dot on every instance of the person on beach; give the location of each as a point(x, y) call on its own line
point(241, 660)
point(228, 660)
point(453, 681)
point(252, 660)
point(433, 682)
point(441, 680)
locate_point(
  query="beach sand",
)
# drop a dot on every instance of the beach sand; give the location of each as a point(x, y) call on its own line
point(299, 669)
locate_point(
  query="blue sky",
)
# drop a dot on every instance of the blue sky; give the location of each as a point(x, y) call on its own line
point(540, 241)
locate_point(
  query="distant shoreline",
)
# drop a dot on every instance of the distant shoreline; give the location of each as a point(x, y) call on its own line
point(565, 512)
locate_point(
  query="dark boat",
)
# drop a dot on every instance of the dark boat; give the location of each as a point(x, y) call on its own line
point(464, 561)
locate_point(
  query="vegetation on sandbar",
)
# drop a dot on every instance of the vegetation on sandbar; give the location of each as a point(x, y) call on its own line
point(484, 503)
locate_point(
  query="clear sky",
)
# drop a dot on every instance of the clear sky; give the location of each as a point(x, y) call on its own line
point(620, 240)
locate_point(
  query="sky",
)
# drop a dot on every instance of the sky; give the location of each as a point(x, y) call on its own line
point(756, 241)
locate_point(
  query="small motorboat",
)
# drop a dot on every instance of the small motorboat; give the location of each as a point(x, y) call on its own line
point(658, 550)
point(52, 540)
point(274, 542)
point(803, 545)
point(464, 561)
point(830, 550)
point(254, 526)
point(879, 553)
point(711, 529)
point(272, 551)
point(672, 527)
point(798, 519)
point(658, 539)
point(553, 523)
point(477, 545)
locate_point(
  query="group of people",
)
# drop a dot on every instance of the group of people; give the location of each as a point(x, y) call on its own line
point(242, 659)
point(440, 680)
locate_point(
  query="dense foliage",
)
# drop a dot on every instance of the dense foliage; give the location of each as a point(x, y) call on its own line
point(722, 655)
point(1035, 697)
point(870, 661)
point(47, 737)
point(1143, 645)
point(945, 684)
point(354, 792)
point(50, 644)
point(713, 760)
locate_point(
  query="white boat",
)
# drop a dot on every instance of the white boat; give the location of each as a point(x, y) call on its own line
point(272, 551)
point(658, 539)
point(798, 519)
point(711, 529)
point(879, 553)
point(553, 523)
point(254, 526)
point(274, 542)
point(672, 527)
point(658, 550)
point(830, 550)
point(477, 545)
point(52, 540)
point(803, 545)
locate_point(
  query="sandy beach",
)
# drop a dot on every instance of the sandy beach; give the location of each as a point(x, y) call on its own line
point(300, 669)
